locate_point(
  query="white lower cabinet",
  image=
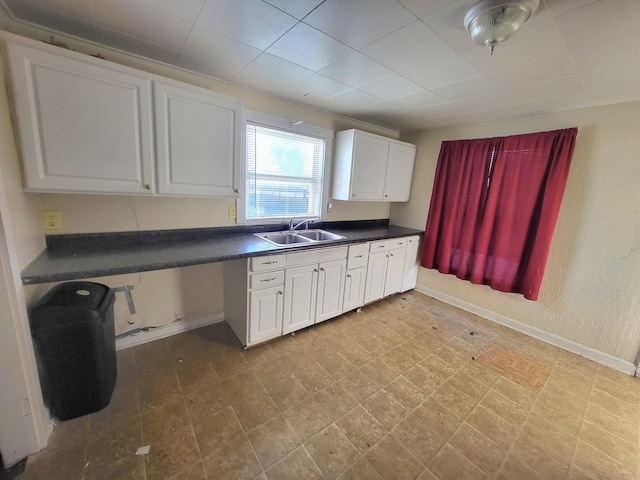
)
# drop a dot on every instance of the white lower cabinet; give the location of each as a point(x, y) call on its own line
point(355, 278)
point(376, 270)
point(331, 277)
point(269, 296)
point(301, 286)
point(314, 287)
point(354, 288)
point(265, 313)
point(254, 297)
point(395, 266)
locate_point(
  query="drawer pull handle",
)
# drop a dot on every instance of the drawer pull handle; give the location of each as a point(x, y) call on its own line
point(269, 263)
point(322, 269)
point(280, 292)
point(348, 276)
point(268, 279)
point(358, 256)
point(315, 270)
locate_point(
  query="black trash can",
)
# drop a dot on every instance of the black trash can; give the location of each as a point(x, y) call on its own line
point(74, 336)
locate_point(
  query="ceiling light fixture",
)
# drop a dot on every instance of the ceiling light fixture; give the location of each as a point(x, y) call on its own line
point(490, 22)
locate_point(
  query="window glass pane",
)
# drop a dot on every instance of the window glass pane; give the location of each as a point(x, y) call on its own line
point(283, 173)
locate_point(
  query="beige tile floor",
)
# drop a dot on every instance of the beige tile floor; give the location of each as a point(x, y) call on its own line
point(391, 393)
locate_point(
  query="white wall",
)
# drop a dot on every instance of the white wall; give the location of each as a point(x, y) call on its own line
point(590, 293)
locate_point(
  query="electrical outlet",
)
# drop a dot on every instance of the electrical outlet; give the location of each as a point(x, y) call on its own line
point(232, 213)
point(52, 220)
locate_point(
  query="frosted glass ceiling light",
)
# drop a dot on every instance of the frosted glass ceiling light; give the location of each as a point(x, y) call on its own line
point(490, 22)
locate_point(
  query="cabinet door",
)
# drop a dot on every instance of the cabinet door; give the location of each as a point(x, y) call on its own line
point(265, 314)
point(300, 297)
point(330, 289)
point(354, 289)
point(411, 264)
point(397, 186)
point(395, 267)
point(376, 270)
point(85, 124)
point(199, 139)
point(369, 167)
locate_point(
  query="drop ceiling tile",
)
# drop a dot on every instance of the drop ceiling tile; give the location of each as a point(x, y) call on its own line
point(136, 46)
point(355, 69)
point(620, 55)
point(296, 8)
point(309, 48)
point(351, 100)
point(359, 22)
point(391, 87)
point(559, 7)
point(472, 87)
point(253, 22)
point(264, 87)
point(562, 87)
point(53, 20)
point(538, 71)
point(418, 100)
point(598, 23)
point(609, 86)
point(417, 53)
point(611, 70)
point(379, 109)
point(318, 86)
point(272, 69)
point(420, 8)
point(140, 20)
point(469, 105)
point(447, 22)
point(185, 9)
point(213, 54)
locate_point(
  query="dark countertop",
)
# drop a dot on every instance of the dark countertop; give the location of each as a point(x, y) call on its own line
point(78, 256)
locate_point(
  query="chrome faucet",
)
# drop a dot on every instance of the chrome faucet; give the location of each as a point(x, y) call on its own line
point(292, 227)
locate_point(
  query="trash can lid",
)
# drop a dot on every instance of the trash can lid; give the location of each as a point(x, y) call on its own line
point(80, 295)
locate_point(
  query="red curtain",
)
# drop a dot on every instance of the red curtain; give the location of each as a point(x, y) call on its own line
point(494, 207)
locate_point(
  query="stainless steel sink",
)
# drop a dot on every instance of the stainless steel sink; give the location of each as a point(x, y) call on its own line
point(299, 238)
point(320, 235)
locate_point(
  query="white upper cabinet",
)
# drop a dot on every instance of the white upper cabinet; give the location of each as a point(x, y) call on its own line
point(198, 141)
point(372, 168)
point(85, 125)
point(397, 186)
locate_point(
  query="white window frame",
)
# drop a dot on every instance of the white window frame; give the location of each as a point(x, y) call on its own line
point(281, 123)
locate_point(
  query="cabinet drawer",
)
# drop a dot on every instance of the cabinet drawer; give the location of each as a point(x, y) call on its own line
point(316, 256)
point(398, 243)
point(267, 279)
point(357, 256)
point(264, 264)
point(379, 246)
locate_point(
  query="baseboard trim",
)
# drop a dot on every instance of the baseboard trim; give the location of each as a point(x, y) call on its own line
point(591, 353)
point(156, 333)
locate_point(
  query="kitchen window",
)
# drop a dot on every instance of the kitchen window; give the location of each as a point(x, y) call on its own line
point(286, 164)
